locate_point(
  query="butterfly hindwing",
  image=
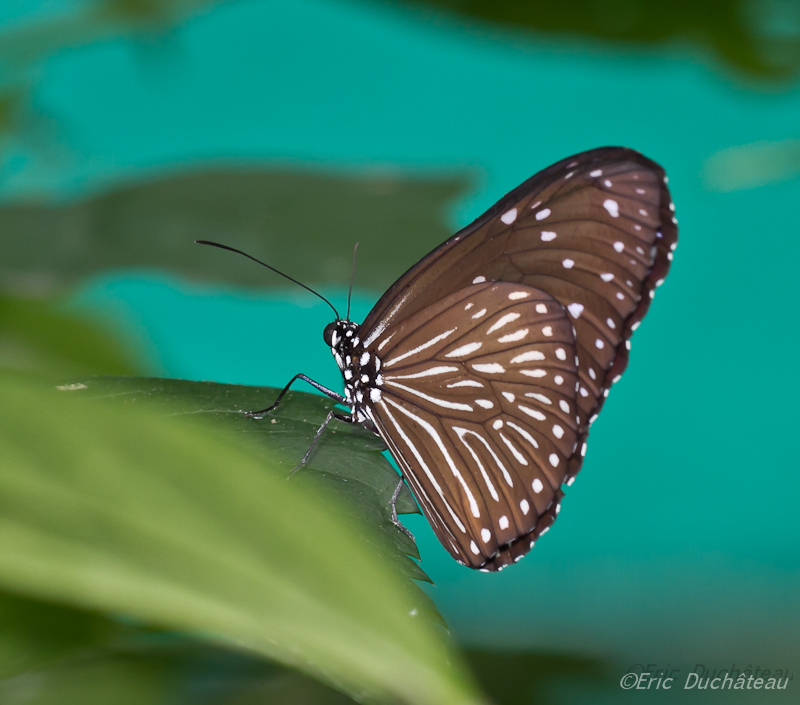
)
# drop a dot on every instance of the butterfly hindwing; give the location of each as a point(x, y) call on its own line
point(477, 402)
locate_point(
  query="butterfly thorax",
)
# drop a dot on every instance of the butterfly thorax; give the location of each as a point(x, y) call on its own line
point(360, 368)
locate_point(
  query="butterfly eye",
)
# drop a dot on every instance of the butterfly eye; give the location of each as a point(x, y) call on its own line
point(327, 334)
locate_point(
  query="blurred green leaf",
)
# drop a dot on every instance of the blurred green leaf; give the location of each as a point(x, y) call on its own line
point(756, 37)
point(278, 216)
point(752, 165)
point(38, 336)
point(130, 511)
point(34, 633)
point(347, 460)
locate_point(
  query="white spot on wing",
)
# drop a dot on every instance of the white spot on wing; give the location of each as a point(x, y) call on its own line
point(568, 263)
point(548, 235)
point(537, 485)
point(612, 207)
point(515, 295)
point(509, 216)
point(542, 214)
point(575, 310)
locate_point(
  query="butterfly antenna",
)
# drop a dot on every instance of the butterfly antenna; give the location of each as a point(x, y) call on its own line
point(264, 264)
point(352, 279)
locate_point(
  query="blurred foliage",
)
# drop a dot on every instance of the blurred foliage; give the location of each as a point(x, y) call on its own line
point(347, 460)
point(277, 216)
point(37, 337)
point(758, 37)
point(125, 509)
point(76, 657)
point(752, 165)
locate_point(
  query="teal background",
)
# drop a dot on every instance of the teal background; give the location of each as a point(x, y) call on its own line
point(678, 543)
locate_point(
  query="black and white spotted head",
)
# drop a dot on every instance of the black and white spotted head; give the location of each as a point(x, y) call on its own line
point(360, 368)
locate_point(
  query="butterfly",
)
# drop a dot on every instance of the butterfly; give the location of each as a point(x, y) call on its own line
point(484, 366)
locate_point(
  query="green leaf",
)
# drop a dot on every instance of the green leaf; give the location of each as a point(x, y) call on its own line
point(158, 517)
point(347, 460)
point(40, 337)
point(278, 216)
point(34, 633)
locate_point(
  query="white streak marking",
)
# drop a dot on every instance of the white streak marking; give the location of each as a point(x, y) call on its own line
point(596, 172)
point(480, 313)
point(528, 356)
point(438, 402)
point(424, 467)
point(437, 439)
point(419, 348)
point(464, 350)
point(542, 214)
point(492, 368)
point(461, 433)
point(522, 432)
point(468, 306)
point(369, 340)
point(485, 403)
point(533, 373)
point(504, 320)
point(515, 295)
point(479, 280)
point(509, 396)
point(513, 337)
point(474, 548)
point(520, 458)
point(426, 373)
point(364, 358)
point(538, 415)
point(465, 383)
point(539, 397)
point(610, 323)
point(497, 461)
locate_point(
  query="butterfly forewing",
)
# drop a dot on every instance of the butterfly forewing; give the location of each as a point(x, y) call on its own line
point(595, 231)
point(477, 400)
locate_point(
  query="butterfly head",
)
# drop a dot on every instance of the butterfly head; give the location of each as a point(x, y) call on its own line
point(341, 337)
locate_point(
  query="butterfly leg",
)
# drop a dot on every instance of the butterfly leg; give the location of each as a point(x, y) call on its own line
point(332, 414)
point(327, 392)
point(395, 520)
